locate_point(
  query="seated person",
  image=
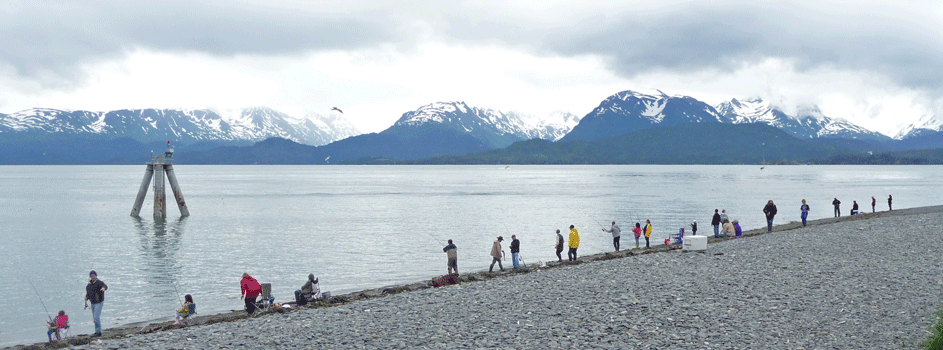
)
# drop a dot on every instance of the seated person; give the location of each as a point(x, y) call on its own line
point(188, 309)
point(728, 230)
point(736, 226)
point(307, 291)
point(60, 322)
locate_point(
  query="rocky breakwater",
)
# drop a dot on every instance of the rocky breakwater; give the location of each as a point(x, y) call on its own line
point(863, 282)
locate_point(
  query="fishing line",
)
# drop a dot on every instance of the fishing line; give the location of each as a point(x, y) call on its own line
point(176, 292)
point(40, 298)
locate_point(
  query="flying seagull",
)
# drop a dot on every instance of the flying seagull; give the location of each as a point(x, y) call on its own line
point(337, 109)
point(328, 159)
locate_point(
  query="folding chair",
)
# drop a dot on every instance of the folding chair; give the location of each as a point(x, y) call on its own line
point(267, 300)
point(191, 310)
point(62, 327)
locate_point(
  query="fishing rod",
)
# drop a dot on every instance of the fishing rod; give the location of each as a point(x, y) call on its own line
point(176, 292)
point(433, 237)
point(40, 298)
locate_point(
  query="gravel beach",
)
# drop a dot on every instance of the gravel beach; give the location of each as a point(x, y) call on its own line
point(871, 282)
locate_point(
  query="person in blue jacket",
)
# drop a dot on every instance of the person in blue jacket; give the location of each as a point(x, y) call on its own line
point(805, 212)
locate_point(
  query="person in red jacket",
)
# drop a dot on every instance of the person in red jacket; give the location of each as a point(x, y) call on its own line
point(250, 291)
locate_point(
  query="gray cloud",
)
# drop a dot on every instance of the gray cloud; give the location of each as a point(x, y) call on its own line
point(900, 41)
point(43, 38)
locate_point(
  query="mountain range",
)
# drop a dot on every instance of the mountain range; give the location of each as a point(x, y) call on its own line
point(179, 126)
point(41, 136)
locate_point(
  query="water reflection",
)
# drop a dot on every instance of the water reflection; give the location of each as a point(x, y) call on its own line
point(160, 244)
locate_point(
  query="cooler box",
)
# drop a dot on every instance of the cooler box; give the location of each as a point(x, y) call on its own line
point(694, 243)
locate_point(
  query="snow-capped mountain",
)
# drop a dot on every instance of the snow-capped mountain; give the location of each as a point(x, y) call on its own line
point(808, 123)
point(177, 125)
point(924, 126)
point(630, 111)
point(494, 128)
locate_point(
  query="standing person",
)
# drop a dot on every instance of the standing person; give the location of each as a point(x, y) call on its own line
point(889, 202)
point(837, 203)
point(515, 251)
point(854, 207)
point(574, 243)
point(559, 246)
point(95, 293)
point(723, 216)
point(873, 202)
point(715, 221)
point(616, 232)
point(648, 231)
point(638, 233)
point(496, 254)
point(452, 252)
point(694, 228)
point(250, 290)
point(770, 211)
point(804, 208)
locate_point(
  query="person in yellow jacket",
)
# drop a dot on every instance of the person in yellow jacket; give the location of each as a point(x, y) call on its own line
point(574, 243)
point(648, 231)
point(185, 311)
point(496, 254)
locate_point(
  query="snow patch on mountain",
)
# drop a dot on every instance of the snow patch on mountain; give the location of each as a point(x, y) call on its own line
point(925, 125)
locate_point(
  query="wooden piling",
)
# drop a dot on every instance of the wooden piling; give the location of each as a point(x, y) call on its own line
point(142, 191)
point(156, 169)
point(160, 200)
point(175, 188)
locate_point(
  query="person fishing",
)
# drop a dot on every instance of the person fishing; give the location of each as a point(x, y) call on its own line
point(186, 310)
point(95, 292)
point(515, 251)
point(496, 254)
point(637, 231)
point(59, 323)
point(452, 252)
point(616, 232)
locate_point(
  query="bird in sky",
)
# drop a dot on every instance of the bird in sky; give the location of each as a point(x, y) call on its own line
point(337, 109)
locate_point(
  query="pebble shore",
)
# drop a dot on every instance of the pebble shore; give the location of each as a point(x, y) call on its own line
point(867, 282)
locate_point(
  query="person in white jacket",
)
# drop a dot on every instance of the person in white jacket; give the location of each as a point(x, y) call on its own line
point(616, 232)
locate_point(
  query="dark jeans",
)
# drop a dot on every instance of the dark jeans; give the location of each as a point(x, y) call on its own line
point(250, 305)
point(837, 212)
point(646, 242)
point(559, 250)
point(571, 254)
point(804, 216)
point(615, 242)
point(495, 260)
point(769, 225)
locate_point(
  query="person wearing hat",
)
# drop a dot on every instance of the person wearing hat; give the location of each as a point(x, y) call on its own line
point(496, 254)
point(574, 243)
point(95, 292)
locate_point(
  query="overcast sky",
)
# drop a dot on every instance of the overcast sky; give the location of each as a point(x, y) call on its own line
point(878, 64)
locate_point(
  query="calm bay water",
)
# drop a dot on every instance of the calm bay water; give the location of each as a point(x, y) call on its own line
point(359, 227)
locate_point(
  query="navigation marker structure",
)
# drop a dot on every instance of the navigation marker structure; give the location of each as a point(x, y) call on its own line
point(163, 163)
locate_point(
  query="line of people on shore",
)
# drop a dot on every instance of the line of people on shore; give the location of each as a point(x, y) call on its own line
point(854, 205)
point(722, 224)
